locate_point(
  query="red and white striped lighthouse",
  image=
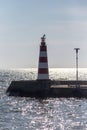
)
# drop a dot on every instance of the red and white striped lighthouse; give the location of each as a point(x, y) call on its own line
point(43, 72)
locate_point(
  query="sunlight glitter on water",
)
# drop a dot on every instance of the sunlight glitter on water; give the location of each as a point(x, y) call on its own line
point(54, 73)
point(50, 114)
point(68, 73)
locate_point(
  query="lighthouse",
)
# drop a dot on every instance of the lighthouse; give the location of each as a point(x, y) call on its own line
point(43, 72)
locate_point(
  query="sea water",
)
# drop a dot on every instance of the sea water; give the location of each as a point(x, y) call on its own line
point(20, 113)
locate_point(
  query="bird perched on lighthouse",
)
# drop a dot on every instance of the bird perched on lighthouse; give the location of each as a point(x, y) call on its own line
point(43, 72)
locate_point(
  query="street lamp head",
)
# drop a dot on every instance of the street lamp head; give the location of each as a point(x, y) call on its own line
point(76, 48)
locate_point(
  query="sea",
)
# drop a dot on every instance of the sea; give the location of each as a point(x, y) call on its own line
point(20, 113)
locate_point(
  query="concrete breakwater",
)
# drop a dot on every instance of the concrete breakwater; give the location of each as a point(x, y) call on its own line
point(48, 88)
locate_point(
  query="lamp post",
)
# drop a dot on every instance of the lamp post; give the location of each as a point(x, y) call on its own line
point(76, 65)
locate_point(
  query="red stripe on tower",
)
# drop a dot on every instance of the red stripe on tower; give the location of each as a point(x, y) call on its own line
point(43, 48)
point(43, 73)
point(43, 59)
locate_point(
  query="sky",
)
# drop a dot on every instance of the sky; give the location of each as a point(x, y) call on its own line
point(23, 23)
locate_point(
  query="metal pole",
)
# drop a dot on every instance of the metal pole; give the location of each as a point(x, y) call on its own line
point(76, 65)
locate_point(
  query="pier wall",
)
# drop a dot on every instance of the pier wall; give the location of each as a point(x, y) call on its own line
point(36, 88)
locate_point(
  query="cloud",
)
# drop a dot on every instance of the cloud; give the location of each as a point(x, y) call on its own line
point(70, 13)
point(76, 30)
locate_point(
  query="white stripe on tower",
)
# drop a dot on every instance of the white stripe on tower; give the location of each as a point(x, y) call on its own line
point(43, 54)
point(43, 65)
point(43, 73)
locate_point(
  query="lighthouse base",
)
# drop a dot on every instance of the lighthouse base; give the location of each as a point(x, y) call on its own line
point(33, 88)
point(48, 88)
